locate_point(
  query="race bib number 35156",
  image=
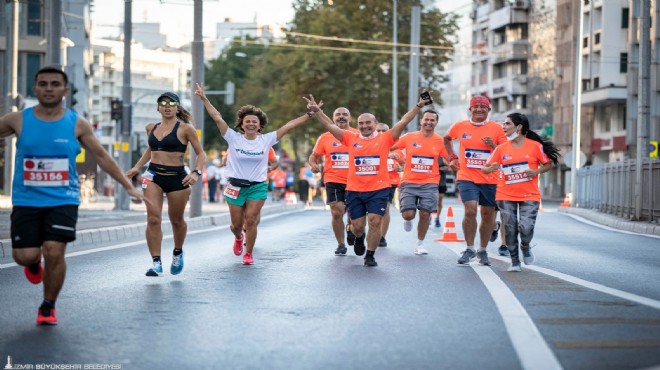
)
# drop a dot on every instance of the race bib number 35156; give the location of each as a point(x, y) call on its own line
point(46, 171)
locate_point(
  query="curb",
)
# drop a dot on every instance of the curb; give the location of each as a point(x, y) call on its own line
point(612, 221)
point(107, 235)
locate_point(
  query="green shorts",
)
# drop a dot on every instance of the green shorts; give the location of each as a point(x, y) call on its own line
point(253, 192)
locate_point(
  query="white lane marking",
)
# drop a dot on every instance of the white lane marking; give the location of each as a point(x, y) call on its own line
point(589, 222)
point(131, 244)
point(532, 350)
point(588, 284)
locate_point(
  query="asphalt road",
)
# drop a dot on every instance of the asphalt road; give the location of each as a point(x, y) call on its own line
point(301, 307)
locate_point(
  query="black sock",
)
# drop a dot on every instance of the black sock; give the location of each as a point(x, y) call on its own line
point(34, 268)
point(177, 252)
point(156, 258)
point(371, 253)
point(46, 306)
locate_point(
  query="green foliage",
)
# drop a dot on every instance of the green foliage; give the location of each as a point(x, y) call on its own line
point(279, 76)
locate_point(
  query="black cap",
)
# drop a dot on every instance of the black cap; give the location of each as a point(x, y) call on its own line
point(170, 95)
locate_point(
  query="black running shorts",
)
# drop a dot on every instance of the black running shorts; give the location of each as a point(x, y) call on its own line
point(336, 192)
point(32, 226)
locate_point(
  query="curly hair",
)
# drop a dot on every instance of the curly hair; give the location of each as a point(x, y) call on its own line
point(250, 110)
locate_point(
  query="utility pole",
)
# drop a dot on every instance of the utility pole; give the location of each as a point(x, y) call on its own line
point(121, 196)
point(413, 70)
point(53, 47)
point(643, 104)
point(395, 68)
point(12, 89)
point(577, 104)
point(196, 104)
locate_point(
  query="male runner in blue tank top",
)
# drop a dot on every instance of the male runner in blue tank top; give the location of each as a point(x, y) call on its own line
point(46, 193)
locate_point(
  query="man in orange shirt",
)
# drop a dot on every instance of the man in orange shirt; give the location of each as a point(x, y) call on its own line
point(394, 161)
point(478, 137)
point(368, 184)
point(335, 172)
point(421, 175)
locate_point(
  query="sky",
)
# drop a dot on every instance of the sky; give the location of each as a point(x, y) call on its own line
point(176, 16)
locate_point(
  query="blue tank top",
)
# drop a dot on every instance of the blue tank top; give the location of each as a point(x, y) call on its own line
point(45, 167)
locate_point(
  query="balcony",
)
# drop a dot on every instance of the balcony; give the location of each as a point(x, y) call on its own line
point(604, 95)
point(505, 16)
point(515, 50)
point(508, 86)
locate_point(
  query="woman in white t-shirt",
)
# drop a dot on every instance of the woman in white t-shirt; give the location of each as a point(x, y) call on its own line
point(247, 165)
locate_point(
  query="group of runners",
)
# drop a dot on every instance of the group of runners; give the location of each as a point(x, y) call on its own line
point(497, 166)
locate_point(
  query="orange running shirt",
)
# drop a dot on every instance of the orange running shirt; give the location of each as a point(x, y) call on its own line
point(514, 185)
point(335, 158)
point(395, 176)
point(474, 152)
point(367, 167)
point(422, 157)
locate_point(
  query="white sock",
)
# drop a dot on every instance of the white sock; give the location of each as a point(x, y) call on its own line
point(470, 247)
point(420, 243)
point(482, 249)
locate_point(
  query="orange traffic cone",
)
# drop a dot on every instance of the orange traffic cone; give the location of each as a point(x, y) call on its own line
point(449, 234)
point(567, 200)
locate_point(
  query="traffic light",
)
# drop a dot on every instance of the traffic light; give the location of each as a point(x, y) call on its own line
point(116, 109)
point(72, 96)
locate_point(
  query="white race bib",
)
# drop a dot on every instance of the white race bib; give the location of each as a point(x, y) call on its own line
point(232, 191)
point(515, 173)
point(421, 164)
point(339, 160)
point(46, 171)
point(476, 158)
point(367, 165)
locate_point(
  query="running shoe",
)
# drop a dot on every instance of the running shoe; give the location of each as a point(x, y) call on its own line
point(493, 236)
point(528, 256)
point(503, 250)
point(247, 259)
point(515, 265)
point(437, 222)
point(177, 264)
point(483, 258)
point(421, 250)
point(46, 316)
point(359, 246)
point(157, 270)
point(383, 242)
point(468, 255)
point(407, 225)
point(238, 245)
point(32, 277)
point(341, 250)
point(350, 237)
point(370, 261)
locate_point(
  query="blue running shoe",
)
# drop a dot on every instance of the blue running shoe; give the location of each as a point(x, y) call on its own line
point(437, 222)
point(157, 270)
point(177, 264)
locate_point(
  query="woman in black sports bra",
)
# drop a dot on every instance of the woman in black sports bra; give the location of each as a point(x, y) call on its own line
point(168, 141)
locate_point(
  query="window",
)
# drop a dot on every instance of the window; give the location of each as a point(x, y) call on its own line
point(596, 82)
point(597, 38)
point(585, 42)
point(34, 18)
point(33, 61)
point(625, 13)
point(523, 67)
point(623, 63)
point(586, 85)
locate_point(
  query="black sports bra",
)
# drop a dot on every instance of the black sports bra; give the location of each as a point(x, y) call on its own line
point(170, 142)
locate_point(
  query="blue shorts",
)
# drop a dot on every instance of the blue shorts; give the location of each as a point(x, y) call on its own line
point(359, 203)
point(484, 193)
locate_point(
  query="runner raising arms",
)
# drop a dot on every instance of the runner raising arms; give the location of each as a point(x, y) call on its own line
point(247, 166)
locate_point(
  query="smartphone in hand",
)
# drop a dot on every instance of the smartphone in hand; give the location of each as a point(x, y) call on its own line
point(427, 97)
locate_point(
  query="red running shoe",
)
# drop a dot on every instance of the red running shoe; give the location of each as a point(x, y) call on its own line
point(247, 259)
point(34, 278)
point(46, 316)
point(238, 245)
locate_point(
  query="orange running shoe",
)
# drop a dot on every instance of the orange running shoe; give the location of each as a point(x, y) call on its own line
point(34, 278)
point(238, 245)
point(46, 316)
point(247, 259)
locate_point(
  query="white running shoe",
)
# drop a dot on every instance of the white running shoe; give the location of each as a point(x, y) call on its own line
point(421, 250)
point(407, 225)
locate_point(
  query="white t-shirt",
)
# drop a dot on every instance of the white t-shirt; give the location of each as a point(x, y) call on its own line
point(248, 159)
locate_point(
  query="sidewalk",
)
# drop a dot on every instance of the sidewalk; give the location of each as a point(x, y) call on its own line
point(99, 224)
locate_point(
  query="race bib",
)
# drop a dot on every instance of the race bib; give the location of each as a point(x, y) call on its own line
point(339, 160)
point(46, 171)
point(367, 165)
point(515, 173)
point(421, 164)
point(476, 158)
point(390, 165)
point(232, 191)
point(147, 177)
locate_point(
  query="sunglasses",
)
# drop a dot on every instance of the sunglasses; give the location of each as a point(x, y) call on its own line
point(165, 103)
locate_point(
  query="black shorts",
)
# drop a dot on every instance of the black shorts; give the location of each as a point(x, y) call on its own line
point(32, 226)
point(442, 189)
point(336, 192)
point(169, 178)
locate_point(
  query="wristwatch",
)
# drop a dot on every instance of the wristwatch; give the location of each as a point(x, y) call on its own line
point(198, 172)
